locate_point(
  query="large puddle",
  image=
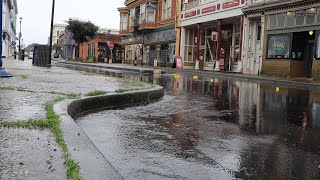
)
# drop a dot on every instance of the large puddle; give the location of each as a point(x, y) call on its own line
point(209, 128)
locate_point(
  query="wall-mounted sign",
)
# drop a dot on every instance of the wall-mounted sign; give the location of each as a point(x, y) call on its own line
point(209, 9)
point(279, 46)
point(231, 4)
point(190, 14)
point(214, 36)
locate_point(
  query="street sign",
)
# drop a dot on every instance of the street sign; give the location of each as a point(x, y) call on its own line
point(111, 45)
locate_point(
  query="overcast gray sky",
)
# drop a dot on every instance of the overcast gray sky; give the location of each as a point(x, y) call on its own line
point(36, 15)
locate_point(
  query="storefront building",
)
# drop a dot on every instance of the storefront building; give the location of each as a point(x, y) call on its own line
point(98, 47)
point(211, 35)
point(290, 37)
point(148, 32)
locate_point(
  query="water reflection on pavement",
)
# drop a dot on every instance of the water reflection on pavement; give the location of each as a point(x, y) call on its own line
point(208, 128)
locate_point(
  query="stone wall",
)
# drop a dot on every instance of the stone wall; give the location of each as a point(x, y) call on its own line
point(297, 69)
point(280, 68)
point(316, 70)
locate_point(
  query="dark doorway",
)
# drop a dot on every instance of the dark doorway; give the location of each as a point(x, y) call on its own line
point(303, 50)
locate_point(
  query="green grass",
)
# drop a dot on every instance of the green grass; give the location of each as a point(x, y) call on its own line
point(25, 90)
point(96, 93)
point(127, 90)
point(70, 95)
point(30, 124)
point(73, 169)
point(24, 76)
point(53, 123)
point(7, 89)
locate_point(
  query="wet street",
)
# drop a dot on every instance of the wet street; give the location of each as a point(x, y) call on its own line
point(211, 128)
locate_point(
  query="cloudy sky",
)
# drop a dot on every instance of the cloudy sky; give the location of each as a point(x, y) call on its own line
point(36, 15)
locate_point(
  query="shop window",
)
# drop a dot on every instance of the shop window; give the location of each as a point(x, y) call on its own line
point(279, 46)
point(311, 16)
point(318, 15)
point(272, 22)
point(300, 18)
point(290, 19)
point(190, 45)
point(298, 43)
point(318, 45)
point(280, 20)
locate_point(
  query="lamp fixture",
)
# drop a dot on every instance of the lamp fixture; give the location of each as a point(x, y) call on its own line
point(311, 33)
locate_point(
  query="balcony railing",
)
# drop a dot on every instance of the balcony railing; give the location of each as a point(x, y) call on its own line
point(190, 5)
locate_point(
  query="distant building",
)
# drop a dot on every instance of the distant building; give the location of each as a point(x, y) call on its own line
point(148, 31)
point(69, 48)
point(9, 27)
point(57, 29)
point(107, 30)
point(98, 47)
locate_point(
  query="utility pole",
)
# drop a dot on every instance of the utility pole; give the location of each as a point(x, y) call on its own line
point(178, 27)
point(3, 72)
point(51, 33)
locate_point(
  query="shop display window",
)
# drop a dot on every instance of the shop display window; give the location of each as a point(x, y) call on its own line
point(318, 46)
point(290, 19)
point(279, 46)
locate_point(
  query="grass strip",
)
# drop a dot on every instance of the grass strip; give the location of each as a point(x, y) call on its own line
point(52, 123)
point(24, 76)
point(96, 93)
point(127, 90)
point(6, 89)
point(73, 169)
point(30, 124)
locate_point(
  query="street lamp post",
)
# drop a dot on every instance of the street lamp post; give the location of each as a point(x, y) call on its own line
point(19, 47)
point(3, 71)
point(51, 33)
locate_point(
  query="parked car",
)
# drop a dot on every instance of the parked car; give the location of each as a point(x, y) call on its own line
point(30, 55)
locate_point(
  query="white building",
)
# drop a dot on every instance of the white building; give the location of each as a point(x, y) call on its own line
point(9, 27)
point(107, 30)
point(57, 30)
point(211, 34)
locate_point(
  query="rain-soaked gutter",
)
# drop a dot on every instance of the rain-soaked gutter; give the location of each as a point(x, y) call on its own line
point(92, 162)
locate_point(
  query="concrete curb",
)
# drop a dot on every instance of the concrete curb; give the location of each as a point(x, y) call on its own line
point(239, 77)
point(92, 162)
point(138, 70)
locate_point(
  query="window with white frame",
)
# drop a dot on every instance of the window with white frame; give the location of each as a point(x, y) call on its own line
point(190, 45)
point(166, 9)
point(142, 12)
point(123, 23)
point(132, 16)
point(150, 14)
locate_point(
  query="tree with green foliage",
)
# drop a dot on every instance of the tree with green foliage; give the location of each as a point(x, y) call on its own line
point(81, 30)
point(56, 47)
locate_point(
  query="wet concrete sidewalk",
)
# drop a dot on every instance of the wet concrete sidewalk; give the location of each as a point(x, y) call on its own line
point(293, 82)
point(33, 153)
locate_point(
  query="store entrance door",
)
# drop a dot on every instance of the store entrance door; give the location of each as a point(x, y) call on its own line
point(309, 58)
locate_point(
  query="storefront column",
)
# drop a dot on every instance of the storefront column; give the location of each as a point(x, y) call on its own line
point(241, 44)
point(198, 48)
point(182, 43)
point(218, 46)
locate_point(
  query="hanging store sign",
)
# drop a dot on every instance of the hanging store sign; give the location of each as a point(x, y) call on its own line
point(231, 4)
point(190, 14)
point(214, 36)
point(209, 9)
